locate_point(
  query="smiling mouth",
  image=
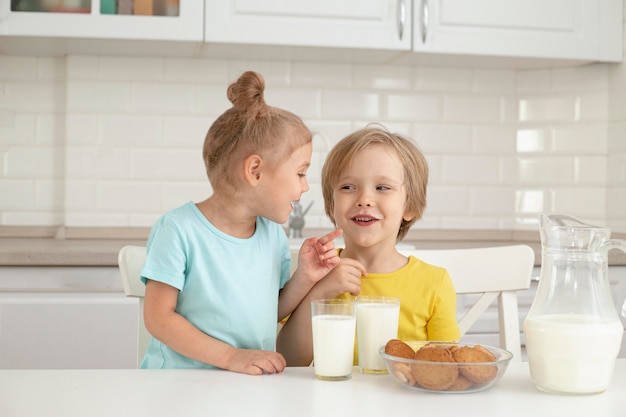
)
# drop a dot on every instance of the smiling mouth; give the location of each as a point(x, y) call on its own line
point(364, 219)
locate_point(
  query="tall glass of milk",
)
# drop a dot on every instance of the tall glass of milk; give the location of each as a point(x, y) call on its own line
point(333, 323)
point(573, 332)
point(376, 323)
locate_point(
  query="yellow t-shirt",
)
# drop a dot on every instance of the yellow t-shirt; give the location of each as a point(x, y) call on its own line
point(427, 300)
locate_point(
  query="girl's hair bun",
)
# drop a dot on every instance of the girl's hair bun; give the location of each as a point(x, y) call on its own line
point(246, 94)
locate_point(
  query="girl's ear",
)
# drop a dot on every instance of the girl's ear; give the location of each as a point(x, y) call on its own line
point(253, 169)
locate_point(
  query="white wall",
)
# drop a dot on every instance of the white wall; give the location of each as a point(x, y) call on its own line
point(90, 141)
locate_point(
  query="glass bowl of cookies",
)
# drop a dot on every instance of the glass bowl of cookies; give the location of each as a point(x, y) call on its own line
point(445, 367)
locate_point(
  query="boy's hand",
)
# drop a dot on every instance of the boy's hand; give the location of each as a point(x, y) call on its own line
point(345, 277)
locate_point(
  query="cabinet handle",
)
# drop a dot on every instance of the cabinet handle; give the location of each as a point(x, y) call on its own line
point(424, 22)
point(401, 18)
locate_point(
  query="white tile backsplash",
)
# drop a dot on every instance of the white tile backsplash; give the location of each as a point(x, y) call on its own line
point(591, 78)
point(443, 138)
point(592, 106)
point(475, 108)
point(34, 97)
point(471, 170)
point(90, 141)
point(305, 102)
point(34, 162)
point(382, 77)
point(125, 68)
point(166, 164)
point(592, 207)
point(348, 104)
point(160, 98)
point(130, 130)
point(494, 81)
point(590, 170)
point(491, 201)
point(311, 74)
point(197, 71)
point(17, 68)
point(546, 170)
point(443, 79)
point(579, 139)
point(17, 195)
point(413, 107)
point(549, 108)
point(108, 97)
point(497, 140)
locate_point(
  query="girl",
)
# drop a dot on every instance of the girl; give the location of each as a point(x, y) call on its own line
point(217, 271)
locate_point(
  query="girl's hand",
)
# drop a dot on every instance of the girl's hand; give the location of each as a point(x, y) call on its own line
point(256, 362)
point(317, 257)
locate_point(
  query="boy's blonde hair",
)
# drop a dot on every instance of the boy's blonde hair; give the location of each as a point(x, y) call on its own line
point(250, 127)
point(412, 159)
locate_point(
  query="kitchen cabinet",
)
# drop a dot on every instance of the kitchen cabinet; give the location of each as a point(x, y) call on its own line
point(516, 33)
point(66, 318)
point(368, 24)
point(585, 30)
point(56, 33)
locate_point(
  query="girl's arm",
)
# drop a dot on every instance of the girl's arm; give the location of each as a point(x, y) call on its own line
point(165, 324)
point(295, 340)
point(317, 257)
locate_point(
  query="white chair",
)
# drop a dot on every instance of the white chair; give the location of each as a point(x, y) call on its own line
point(493, 273)
point(130, 260)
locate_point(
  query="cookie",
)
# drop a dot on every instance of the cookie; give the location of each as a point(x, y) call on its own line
point(478, 374)
point(434, 375)
point(398, 348)
point(403, 372)
point(461, 384)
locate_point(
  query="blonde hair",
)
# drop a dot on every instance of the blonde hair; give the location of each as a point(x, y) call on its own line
point(412, 159)
point(250, 127)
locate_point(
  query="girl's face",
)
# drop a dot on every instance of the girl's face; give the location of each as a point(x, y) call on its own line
point(370, 198)
point(286, 184)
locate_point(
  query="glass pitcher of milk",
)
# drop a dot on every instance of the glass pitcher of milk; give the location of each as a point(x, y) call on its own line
point(573, 332)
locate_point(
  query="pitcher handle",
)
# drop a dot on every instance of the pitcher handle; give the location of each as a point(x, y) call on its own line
point(616, 244)
point(613, 244)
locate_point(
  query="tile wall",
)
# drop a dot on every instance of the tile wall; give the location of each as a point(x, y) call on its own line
point(90, 141)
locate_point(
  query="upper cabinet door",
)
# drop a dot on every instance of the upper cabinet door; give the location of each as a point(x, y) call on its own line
point(561, 29)
point(371, 24)
point(103, 19)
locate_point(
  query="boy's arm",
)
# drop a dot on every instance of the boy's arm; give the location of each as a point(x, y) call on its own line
point(442, 325)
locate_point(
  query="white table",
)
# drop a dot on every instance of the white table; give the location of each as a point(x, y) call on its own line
point(295, 392)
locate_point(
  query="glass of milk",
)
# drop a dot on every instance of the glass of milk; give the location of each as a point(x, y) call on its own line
point(376, 323)
point(333, 322)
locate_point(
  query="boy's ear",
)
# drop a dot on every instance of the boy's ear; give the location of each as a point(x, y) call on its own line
point(253, 169)
point(408, 216)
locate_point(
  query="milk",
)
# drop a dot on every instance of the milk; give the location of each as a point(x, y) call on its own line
point(376, 324)
point(333, 345)
point(572, 353)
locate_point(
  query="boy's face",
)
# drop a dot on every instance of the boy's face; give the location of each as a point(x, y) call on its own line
point(370, 198)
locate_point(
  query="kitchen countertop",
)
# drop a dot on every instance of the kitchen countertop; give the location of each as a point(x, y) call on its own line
point(90, 251)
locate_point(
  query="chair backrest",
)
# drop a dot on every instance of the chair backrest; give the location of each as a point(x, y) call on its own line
point(130, 260)
point(493, 273)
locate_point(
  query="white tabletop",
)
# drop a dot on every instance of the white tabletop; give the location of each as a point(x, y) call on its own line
point(295, 392)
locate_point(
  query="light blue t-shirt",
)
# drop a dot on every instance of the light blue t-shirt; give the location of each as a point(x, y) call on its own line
point(228, 287)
